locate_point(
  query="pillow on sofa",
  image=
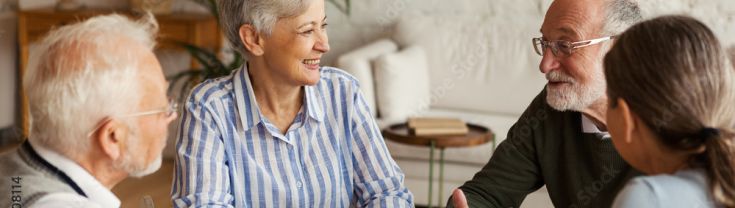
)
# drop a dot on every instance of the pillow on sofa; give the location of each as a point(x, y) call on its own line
point(358, 63)
point(402, 83)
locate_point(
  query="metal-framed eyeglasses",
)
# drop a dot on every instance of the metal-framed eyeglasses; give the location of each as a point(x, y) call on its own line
point(563, 48)
point(168, 111)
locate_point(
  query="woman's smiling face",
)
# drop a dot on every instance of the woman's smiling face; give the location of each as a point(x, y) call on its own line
point(296, 45)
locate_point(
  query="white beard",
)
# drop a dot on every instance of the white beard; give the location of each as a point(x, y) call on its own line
point(138, 168)
point(151, 168)
point(575, 97)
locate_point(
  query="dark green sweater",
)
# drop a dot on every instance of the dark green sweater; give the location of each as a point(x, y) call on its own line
point(548, 147)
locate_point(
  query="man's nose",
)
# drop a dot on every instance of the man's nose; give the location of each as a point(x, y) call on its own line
point(549, 62)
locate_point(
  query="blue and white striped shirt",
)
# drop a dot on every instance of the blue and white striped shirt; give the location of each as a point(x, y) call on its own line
point(333, 155)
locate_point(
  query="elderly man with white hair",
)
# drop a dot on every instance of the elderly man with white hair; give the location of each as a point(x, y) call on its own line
point(99, 114)
point(282, 131)
point(561, 140)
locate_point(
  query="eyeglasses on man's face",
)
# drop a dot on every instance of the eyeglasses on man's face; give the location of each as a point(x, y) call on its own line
point(168, 111)
point(563, 48)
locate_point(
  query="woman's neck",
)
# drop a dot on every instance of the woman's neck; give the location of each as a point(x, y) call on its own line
point(669, 164)
point(663, 160)
point(277, 99)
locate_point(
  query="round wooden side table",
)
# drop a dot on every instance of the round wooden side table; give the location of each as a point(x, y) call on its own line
point(477, 135)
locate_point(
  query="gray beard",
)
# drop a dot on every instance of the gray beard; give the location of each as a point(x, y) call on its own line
point(151, 168)
point(138, 169)
point(574, 98)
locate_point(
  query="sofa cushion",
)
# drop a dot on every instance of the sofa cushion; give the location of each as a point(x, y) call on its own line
point(402, 83)
point(477, 62)
point(477, 155)
point(359, 64)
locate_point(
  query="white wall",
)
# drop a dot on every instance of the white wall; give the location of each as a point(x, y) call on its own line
point(373, 19)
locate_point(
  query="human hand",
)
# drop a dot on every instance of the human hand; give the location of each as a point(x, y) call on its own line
point(458, 199)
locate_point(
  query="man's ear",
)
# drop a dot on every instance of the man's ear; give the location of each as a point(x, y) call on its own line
point(251, 39)
point(630, 125)
point(111, 137)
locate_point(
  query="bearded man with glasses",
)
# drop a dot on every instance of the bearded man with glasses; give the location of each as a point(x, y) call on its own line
point(561, 140)
point(99, 113)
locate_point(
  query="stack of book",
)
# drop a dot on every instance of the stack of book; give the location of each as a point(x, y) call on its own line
point(437, 126)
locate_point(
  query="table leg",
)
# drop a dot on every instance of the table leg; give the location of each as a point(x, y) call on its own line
point(441, 176)
point(431, 170)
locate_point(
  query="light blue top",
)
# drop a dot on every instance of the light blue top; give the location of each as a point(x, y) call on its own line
point(333, 155)
point(685, 188)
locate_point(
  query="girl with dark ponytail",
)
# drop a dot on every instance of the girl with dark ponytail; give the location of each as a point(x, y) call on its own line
point(671, 114)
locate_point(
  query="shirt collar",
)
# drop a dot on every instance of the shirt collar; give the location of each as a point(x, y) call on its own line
point(96, 192)
point(247, 105)
point(314, 108)
point(589, 127)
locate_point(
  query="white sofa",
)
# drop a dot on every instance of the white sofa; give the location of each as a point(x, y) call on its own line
point(474, 72)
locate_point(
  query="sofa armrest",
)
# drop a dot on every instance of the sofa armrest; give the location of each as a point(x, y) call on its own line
point(359, 64)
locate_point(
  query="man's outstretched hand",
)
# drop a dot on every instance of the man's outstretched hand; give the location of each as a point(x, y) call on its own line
point(458, 199)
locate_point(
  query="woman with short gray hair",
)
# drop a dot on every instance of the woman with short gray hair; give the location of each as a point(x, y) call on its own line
point(282, 131)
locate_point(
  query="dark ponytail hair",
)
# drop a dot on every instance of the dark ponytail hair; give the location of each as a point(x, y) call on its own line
point(674, 74)
point(718, 161)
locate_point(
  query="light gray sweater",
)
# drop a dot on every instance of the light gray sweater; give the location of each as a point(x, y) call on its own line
point(24, 179)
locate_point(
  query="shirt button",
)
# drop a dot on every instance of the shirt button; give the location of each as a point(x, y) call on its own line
point(298, 184)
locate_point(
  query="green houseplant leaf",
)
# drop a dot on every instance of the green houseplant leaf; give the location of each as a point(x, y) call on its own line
point(210, 67)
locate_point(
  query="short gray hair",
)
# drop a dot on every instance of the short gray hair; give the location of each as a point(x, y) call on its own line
point(619, 16)
point(262, 14)
point(76, 78)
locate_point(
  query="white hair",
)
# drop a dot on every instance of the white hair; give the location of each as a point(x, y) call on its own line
point(77, 77)
point(619, 16)
point(262, 14)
